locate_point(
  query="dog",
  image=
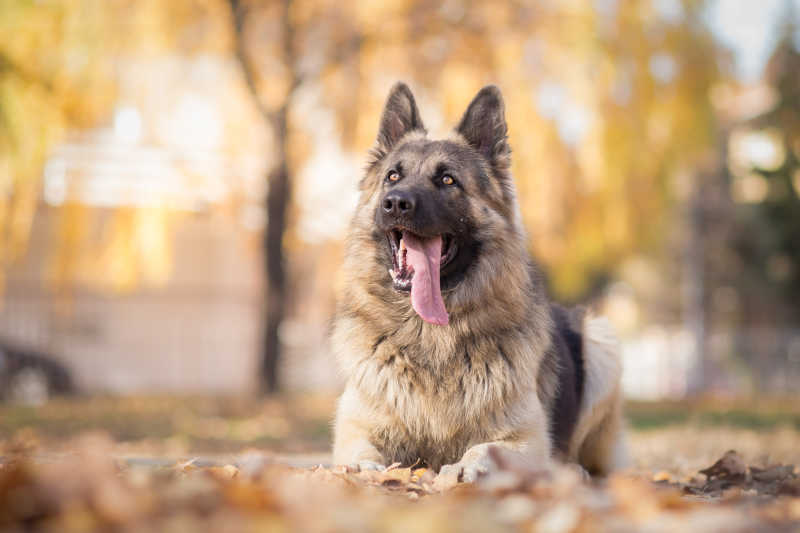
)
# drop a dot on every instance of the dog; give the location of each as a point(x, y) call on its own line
point(443, 328)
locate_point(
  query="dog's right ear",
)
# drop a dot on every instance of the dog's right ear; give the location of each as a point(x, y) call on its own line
point(484, 127)
point(400, 116)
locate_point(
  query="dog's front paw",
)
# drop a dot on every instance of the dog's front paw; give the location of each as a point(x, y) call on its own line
point(476, 463)
point(363, 466)
point(448, 477)
point(451, 475)
point(470, 472)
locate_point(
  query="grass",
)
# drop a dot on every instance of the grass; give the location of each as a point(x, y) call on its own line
point(739, 413)
point(209, 424)
point(302, 423)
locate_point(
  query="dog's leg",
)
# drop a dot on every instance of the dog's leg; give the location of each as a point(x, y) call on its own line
point(604, 449)
point(598, 443)
point(534, 449)
point(351, 445)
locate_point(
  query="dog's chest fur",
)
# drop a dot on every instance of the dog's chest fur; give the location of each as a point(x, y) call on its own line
point(437, 396)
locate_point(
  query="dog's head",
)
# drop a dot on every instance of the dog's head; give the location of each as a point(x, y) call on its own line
point(441, 209)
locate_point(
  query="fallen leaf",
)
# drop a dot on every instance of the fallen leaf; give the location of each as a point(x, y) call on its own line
point(636, 498)
point(790, 488)
point(661, 476)
point(397, 476)
point(561, 518)
point(772, 473)
point(729, 466)
point(418, 473)
point(186, 466)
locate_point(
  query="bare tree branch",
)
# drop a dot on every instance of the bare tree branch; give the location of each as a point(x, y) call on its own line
point(9, 65)
point(239, 13)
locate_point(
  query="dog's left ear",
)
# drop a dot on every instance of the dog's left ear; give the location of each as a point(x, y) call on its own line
point(400, 116)
point(484, 127)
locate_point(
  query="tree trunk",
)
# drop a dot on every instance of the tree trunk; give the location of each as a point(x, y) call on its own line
point(279, 194)
point(278, 199)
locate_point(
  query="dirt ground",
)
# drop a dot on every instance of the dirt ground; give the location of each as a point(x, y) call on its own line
point(237, 464)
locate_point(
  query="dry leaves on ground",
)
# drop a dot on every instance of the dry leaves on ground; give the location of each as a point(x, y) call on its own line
point(89, 490)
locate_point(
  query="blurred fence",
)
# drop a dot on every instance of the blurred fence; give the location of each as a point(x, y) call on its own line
point(662, 362)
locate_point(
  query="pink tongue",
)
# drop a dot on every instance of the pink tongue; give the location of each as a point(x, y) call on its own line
point(426, 298)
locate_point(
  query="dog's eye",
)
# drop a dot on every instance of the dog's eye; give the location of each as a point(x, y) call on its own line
point(448, 180)
point(393, 176)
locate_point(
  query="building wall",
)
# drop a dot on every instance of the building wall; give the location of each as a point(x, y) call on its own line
point(199, 331)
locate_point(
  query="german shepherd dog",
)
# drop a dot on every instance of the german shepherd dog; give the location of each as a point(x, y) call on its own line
point(443, 326)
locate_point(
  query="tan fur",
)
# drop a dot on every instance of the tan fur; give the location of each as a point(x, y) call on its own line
point(417, 391)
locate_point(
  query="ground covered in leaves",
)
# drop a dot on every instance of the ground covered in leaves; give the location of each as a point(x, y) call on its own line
point(84, 475)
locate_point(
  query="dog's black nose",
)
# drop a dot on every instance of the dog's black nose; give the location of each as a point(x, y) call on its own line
point(399, 203)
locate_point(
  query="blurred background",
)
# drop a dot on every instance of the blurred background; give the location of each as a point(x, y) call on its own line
point(176, 179)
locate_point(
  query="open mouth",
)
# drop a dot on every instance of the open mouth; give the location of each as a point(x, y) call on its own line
point(402, 271)
point(417, 263)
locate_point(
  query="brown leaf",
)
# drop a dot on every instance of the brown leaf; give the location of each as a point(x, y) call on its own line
point(636, 498)
point(772, 473)
point(730, 465)
point(417, 473)
point(115, 503)
point(400, 476)
point(425, 478)
point(662, 476)
point(186, 466)
point(247, 495)
point(790, 488)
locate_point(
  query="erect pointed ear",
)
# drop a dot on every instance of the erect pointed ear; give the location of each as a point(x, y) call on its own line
point(400, 116)
point(484, 127)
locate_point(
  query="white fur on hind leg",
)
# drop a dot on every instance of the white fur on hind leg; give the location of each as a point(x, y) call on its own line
point(599, 435)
